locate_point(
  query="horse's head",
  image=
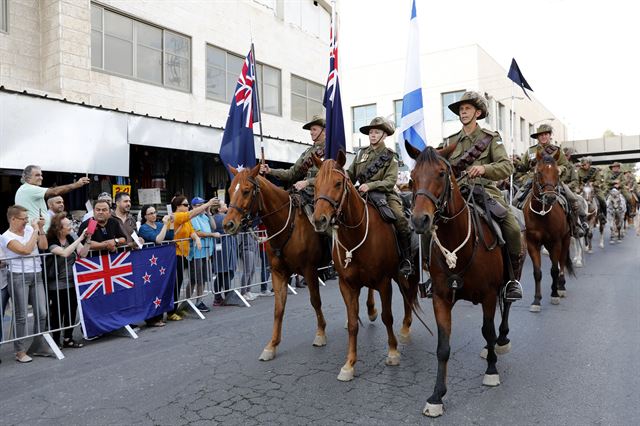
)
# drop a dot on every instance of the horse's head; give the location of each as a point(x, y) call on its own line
point(546, 177)
point(587, 191)
point(244, 198)
point(431, 183)
point(331, 188)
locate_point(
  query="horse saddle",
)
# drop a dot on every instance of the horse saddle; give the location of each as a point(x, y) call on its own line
point(487, 208)
point(379, 201)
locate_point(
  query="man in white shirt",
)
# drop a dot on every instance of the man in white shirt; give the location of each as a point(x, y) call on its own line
point(31, 194)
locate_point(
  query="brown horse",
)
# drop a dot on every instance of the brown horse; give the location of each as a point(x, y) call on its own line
point(293, 246)
point(472, 271)
point(364, 254)
point(546, 225)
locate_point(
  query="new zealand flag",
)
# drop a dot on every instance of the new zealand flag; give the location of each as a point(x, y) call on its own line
point(117, 289)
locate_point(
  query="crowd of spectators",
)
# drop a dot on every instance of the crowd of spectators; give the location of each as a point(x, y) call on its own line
point(41, 246)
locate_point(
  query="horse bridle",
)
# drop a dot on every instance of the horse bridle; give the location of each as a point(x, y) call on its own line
point(441, 203)
point(337, 205)
point(248, 214)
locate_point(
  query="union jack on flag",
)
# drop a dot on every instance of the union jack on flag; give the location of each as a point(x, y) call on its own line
point(244, 89)
point(335, 138)
point(104, 273)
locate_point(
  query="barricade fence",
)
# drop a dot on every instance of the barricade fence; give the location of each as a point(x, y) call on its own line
point(43, 286)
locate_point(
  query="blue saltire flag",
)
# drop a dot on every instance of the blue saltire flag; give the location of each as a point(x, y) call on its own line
point(237, 148)
point(516, 76)
point(117, 289)
point(412, 118)
point(334, 132)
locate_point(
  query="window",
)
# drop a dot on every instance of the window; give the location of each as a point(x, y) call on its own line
point(132, 48)
point(500, 117)
point(523, 130)
point(362, 115)
point(270, 89)
point(306, 99)
point(4, 16)
point(531, 132)
point(223, 69)
point(397, 112)
point(448, 99)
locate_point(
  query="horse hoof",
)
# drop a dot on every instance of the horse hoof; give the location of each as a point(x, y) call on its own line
point(579, 264)
point(404, 338)
point(393, 359)
point(562, 293)
point(555, 300)
point(484, 353)
point(491, 380)
point(433, 410)
point(267, 355)
point(320, 341)
point(502, 350)
point(346, 325)
point(612, 242)
point(534, 308)
point(346, 374)
point(590, 251)
point(373, 316)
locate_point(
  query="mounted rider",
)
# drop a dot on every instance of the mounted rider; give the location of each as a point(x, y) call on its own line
point(303, 172)
point(482, 155)
point(615, 179)
point(375, 169)
point(568, 178)
point(592, 174)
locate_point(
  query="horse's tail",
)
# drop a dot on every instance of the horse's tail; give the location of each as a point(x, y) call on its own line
point(569, 265)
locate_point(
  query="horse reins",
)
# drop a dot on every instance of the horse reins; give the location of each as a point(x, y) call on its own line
point(541, 196)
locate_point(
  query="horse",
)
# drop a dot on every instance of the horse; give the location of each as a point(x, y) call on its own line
point(293, 245)
point(363, 254)
point(546, 225)
point(593, 210)
point(616, 210)
point(474, 271)
point(631, 215)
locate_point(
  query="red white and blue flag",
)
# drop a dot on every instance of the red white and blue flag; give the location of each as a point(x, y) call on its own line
point(335, 138)
point(237, 148)
point(123, 288)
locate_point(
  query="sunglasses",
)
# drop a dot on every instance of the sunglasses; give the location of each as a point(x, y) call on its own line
point(185, 204)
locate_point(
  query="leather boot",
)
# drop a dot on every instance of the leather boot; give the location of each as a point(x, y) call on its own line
point(405, 267)
point(308, 209)
point(513, 290)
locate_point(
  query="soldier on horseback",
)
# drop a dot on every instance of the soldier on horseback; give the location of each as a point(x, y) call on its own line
point(589, 173)
point(376, 170)
point(615, 179)
point(481, 154)
point(303, 173)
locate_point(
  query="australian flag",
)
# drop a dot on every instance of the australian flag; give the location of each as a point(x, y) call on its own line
point(123, 288)
point(335, 139)
point(237, 148)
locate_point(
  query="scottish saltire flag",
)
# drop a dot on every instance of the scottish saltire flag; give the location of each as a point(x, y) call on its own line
point(237, 148)
point(117, 289)
point(334, 132)
point(516, 76)
point(412, 119)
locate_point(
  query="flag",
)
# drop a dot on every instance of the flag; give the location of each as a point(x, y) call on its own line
point(412, 118)
point(516, 76)
point(237, 148)
point(116, 289)
point(334, 132)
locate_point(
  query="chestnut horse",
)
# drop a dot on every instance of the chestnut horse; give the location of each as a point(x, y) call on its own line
point(364, 254)
point(547, 225)
point(293, 246)
point(473, 271)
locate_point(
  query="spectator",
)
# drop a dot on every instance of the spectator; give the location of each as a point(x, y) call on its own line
point(199, 268)
point(31, 194)
point(124, 217)
point(183, 230)
point(62, 296)
point(265, 268)
point(248, 247)
point(56, 205)
point(225, 254)
point(108, 234)
point(103, 196)
point(21, 242)
point(4, 291)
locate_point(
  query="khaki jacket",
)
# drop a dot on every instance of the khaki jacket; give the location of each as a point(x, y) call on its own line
point(529, 160)
point(296, 172)
point(385, 179)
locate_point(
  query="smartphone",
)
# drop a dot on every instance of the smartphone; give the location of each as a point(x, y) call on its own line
point(221, 195)
point(91, 226)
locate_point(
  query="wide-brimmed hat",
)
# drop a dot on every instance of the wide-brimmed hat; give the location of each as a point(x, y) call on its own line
point(379, 123)
point(473, 98)
point(543, 128)
point(586, 160)
point(317, 120)
point(615, 164)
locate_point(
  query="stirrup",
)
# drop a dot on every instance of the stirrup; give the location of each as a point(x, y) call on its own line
point(515, 294)
point(405, 267)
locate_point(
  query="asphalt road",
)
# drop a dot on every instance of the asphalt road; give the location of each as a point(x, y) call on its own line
point(572, 364)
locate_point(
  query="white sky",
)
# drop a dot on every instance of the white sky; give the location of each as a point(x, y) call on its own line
point(582, 58)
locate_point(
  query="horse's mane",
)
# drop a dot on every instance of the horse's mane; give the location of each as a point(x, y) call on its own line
point(429, 155)
point(324, 172)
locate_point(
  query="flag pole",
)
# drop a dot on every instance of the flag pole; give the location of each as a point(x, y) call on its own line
point(258, 112)
point(513, 143)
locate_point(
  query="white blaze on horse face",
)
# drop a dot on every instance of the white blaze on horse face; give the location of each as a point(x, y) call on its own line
point(237, 188)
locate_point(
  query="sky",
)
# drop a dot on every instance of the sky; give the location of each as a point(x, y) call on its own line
point(582, 58)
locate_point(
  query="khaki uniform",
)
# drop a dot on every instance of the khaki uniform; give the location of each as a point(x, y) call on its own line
point(297, 172)
point(610, 181)
point(529, 160)
point(593, 175)
point(497, 167)
point(383, 181)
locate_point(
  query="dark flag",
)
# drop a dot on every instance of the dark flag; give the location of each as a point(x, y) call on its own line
point(117, 289)
point(335, 138)
point(516, 76)
point(237, 148)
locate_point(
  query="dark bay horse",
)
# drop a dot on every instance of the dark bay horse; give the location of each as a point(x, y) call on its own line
point(364, 254)
point(294, 246)
point(470, 271)
point(546, 225)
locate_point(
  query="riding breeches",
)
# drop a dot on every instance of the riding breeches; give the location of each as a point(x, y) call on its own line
point(573, 200)
point(402, 224)
point(510, 231)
